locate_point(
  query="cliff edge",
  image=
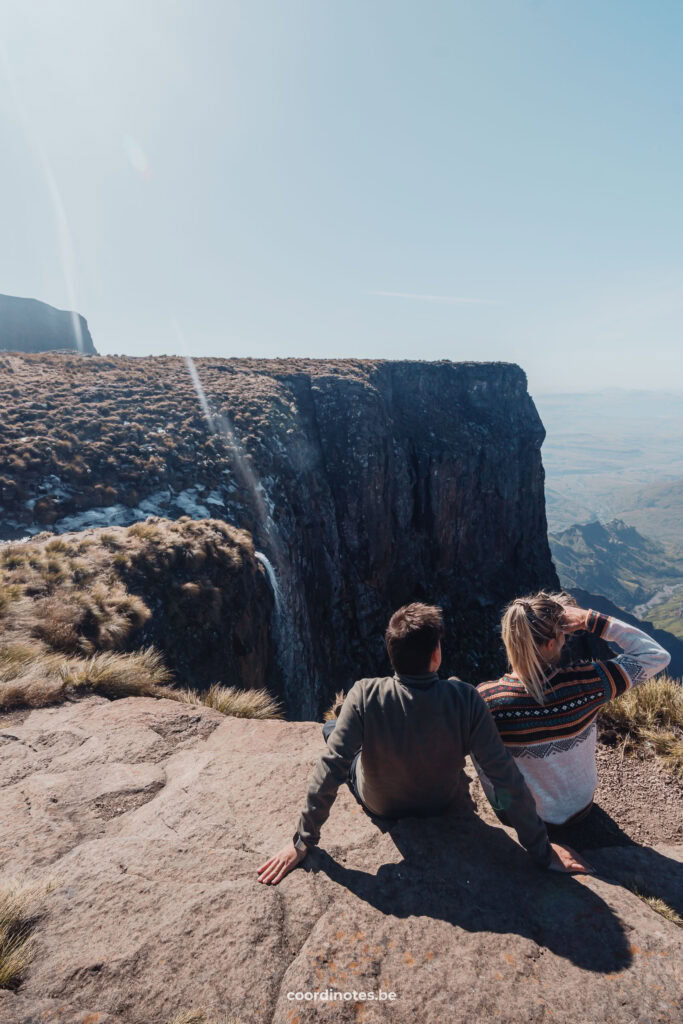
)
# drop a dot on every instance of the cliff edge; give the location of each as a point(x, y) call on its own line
point(366, 485)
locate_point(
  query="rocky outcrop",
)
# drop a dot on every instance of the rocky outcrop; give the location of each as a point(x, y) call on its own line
point(366, 485)
point(194, 590)
point(151, 817)
point(27, 325)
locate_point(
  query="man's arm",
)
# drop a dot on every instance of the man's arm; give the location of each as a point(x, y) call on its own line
point(512, 792)
point(328, 775)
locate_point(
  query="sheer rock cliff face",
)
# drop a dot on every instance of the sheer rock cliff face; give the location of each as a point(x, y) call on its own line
point(27, 325)
point(408, 482)
point(366, 485)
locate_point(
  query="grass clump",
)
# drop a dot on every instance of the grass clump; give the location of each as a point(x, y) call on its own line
point(88, 614)
point(233, 702)
point(95, 619)
point(638, 887)
point(8, 594)
point(140, 674)
point(335, 707)
point(649, 717)
point(52, 678)
point(18, 916)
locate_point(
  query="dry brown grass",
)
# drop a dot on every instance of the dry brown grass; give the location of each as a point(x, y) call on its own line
point(335, 707)
point(54, 678)
point(19, 908)
point(76, 614)
point(101, 618)
point(114, 429)
point(649, 718)
point(640, 889)
point(233, 702)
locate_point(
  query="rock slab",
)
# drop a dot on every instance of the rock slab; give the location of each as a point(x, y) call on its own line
point(151, 817)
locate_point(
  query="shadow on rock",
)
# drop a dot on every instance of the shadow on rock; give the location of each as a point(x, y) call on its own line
point(622, 861)
point(459, 869)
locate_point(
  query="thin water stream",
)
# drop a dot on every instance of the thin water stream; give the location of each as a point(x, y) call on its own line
point(220, 424)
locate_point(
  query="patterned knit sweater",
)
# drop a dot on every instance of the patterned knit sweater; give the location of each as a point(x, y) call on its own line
point(553, 743)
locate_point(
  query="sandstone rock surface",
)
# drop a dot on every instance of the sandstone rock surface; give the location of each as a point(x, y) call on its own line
point(151, 818)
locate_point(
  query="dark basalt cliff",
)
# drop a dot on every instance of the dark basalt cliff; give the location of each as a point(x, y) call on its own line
point(27, 325)
point(366, 485)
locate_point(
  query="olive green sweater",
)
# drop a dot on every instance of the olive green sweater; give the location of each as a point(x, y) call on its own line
point(413, 733)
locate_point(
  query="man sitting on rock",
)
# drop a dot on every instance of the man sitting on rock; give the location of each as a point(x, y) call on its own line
point(400, 744)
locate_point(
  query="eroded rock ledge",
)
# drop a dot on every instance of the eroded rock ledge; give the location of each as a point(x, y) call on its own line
point(152, 817)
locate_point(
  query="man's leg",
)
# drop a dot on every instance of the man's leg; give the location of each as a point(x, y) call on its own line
point(328, 729)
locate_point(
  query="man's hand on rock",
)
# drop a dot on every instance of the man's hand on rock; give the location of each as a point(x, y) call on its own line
point(568, 861)
point(275, 869)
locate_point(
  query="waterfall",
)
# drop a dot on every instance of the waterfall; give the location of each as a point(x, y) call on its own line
point(220, 424)
point(272, 579)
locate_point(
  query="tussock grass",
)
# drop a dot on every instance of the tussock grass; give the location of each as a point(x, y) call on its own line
point(53, 678)
point(335, 707)
point(649, 717)
point(100, 618)
point(639, 888)
point(76, 615)
point(655, 704)
point(140, 674)
point(18, 915)
point(233, 702)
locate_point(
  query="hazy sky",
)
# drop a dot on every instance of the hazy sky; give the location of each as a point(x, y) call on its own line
point(491, 179)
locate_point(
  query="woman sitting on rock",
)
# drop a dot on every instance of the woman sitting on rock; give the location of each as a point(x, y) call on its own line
point(546, 714)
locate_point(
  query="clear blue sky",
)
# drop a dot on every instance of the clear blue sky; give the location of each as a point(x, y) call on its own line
point(493, 179)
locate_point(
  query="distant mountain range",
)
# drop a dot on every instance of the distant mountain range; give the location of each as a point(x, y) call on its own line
point(615, 454)
point(613, 464)
point(613, 559)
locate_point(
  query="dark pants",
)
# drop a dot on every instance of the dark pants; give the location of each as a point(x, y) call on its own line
point(328, 729)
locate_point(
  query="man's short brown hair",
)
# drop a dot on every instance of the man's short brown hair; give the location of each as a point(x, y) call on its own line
point(412, 637)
